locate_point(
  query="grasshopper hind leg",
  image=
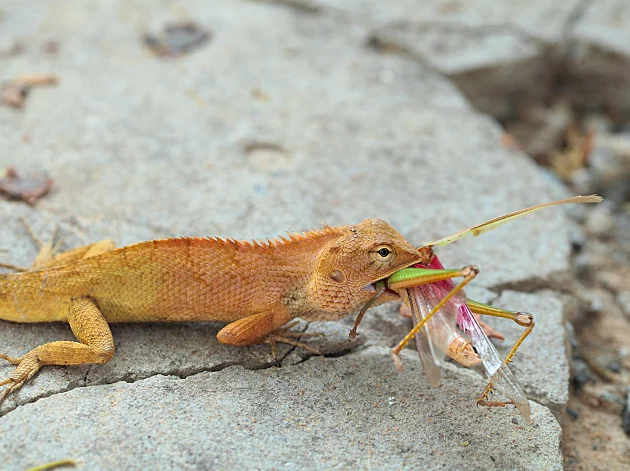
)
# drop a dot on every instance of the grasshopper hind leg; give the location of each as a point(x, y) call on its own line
point(521, 318)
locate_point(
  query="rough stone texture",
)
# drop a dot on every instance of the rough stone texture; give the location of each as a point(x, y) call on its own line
point(354, 412)
point(500, 54)
point(283, 120)
point(599, 55)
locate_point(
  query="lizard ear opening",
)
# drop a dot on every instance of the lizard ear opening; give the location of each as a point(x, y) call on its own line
point(338, 276)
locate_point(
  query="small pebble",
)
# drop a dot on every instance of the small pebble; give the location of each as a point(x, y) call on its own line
point(614, 366)
point(598, 122)
point(600, 221)
point(578, 240)
point(582, 263)
point(593, 402)
point(581, 373)
point(571, 334)
point(573, 414)
point(612, 399)
point(583, 181)
point(623, 298)
point(177, 39)
point(626, 415)
point(595, 299)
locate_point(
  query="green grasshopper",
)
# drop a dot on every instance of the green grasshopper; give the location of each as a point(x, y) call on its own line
point(441, 314)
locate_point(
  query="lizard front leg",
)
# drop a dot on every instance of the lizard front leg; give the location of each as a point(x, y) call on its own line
point(264, 327)
point(96, 345)
point(253, 329)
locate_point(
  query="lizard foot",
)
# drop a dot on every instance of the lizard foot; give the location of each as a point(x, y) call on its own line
point(26, 368)
point(284, 336)
point(286, 332)
point(13, 267)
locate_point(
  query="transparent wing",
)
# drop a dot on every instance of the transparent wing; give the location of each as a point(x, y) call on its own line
point(501, 376)
point(430, 340)
point(434, 340)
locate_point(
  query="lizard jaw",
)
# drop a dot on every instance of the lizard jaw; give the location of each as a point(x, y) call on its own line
point(372, 288)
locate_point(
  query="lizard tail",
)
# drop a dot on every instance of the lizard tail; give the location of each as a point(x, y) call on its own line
point(22, 299)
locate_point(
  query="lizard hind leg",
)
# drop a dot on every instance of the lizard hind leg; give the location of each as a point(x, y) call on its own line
point(96, 345)
point(49, 255)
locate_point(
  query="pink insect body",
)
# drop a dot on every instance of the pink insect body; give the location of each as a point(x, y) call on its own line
point(439, 335)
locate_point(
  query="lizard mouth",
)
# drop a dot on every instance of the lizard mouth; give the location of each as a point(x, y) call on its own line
point(372, 288)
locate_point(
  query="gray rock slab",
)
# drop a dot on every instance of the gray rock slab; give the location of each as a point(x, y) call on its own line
point(283, 120)
point(499, 54)
point(539, 19)
point(294, 417)
point(599, 55)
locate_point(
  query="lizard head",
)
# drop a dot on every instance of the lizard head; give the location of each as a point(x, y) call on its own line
point(348, 265)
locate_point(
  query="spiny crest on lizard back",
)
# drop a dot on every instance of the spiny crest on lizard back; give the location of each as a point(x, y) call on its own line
point(300, 240)
point(363, 254)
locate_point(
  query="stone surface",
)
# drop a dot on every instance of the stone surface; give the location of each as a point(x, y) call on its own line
point(599, 55)
point(283, 120)
point(501, 55)
point(353, 412)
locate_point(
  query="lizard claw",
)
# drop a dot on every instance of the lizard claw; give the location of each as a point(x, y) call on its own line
point(285, 336)
point(11, 386)
point(26, 368)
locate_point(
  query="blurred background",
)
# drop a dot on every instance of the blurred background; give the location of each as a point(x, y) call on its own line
point(246, 119)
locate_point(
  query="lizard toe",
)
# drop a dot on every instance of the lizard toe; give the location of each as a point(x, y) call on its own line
point(281, 337)
point(27, 367)
point(12, 360)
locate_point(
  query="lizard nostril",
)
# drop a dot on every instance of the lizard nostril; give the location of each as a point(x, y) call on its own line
point(338, 276)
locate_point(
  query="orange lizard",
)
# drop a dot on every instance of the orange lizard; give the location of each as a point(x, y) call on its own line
point(257, 287)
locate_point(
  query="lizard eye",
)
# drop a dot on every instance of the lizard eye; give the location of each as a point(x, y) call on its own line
point(384, 253)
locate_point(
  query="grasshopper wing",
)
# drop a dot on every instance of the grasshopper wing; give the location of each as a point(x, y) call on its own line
point(431, 341)
point(439, 336)
point(499, 373)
